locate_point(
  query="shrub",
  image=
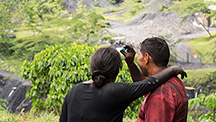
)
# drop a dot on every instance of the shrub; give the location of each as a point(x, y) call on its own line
point(54, 71)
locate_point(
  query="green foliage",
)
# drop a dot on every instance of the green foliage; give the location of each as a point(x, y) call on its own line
point(204, 47)
point(86, 24)
point(5, 116)
point(7, 10)
point(28, 47)
point(190, 7)
point(190, 119)
point(206, 117)
point(3, 104)
point(131, 9)
point(113, 2)
point(204, 77)
point(134, 9)
point(33, 12)
point(106, 38)
point(54, 71)
point(208, 102)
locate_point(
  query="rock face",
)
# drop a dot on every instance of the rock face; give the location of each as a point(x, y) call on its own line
point(14, 89)
point(71, 5)
point(151, 22)
point(154, 22)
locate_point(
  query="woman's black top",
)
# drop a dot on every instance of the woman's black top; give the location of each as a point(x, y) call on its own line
point(84, 103)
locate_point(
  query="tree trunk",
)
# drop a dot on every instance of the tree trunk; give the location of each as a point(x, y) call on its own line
point(203, 25)
point(209, 21)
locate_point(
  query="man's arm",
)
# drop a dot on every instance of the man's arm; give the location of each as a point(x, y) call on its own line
point(136, 74)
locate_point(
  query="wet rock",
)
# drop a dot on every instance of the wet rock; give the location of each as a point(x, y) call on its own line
point(13, 89)
point(18, 97)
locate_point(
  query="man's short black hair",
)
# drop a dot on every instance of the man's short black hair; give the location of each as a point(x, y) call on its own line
point(158, 49)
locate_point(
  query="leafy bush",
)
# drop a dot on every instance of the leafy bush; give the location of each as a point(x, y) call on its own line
point(54, 71)
point(208, 102)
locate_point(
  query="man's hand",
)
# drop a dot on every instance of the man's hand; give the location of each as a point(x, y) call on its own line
point(129, 55)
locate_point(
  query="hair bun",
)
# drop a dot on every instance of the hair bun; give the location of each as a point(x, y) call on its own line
point(99, 81)
point(98, 78)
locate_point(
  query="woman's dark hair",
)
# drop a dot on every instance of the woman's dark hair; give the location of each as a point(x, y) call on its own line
point(158, 49)
point(105, 65)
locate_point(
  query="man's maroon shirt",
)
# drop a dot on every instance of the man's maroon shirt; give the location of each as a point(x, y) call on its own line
point(167, 103)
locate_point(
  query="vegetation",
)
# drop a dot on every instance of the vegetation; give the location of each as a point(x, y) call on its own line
point(40, 28)
point(3, 104)
point(204, 47)
point(32, 116)
point(191, 7)
point(208, 102)
point(52, 76)
point(54, 71)
point(204, 77)
point(127, 10)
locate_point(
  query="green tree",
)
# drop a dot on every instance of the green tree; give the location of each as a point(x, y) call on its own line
point(191, 7)
point(7, 10)
point(33, 12)
point(86, 24)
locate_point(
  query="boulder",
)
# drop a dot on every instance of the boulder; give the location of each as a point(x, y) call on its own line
point(13, 89)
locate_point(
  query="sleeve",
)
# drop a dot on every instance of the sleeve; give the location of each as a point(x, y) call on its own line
point(63, 116)
point(159, 108)
point(131, 91)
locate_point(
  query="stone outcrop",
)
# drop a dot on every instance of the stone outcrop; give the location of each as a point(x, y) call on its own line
point(13, 89)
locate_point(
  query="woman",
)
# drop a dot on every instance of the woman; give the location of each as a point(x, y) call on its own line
point(102, 100)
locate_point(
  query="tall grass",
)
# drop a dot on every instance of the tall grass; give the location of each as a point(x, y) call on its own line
point(5, 116)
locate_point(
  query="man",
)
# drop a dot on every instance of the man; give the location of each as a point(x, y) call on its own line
point(169, 101)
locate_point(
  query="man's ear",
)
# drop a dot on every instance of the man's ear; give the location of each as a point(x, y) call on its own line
point(146, 58)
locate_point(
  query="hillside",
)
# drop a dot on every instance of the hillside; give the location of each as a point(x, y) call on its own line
point(151, 22)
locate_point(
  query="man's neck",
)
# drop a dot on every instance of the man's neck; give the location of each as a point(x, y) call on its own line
point(155, 70)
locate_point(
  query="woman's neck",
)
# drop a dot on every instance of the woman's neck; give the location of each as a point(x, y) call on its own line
point(88, 82)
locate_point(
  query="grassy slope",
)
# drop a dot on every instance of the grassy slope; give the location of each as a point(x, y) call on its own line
point(204, 47)
point(131, 9)
point(53, 31)
point(204, 77)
